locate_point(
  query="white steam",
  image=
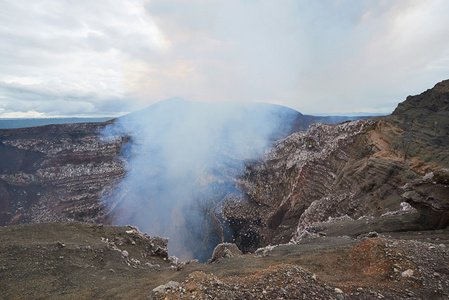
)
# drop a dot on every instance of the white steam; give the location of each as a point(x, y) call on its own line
point(183, 159)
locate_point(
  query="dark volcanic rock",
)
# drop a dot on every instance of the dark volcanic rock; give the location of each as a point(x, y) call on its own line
point(433, 102)
point(425, 121)
point(430, 196)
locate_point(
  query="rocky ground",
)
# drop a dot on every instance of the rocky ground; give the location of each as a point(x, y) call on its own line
point(87, 261)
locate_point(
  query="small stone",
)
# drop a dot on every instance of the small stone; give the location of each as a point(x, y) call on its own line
point(407, 273)
point(224, 250)
point(372, 234)
point(299, 280)
point(338, 291)
point(164, 287)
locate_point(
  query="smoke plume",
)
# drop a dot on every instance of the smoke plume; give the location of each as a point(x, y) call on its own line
point(183, 159)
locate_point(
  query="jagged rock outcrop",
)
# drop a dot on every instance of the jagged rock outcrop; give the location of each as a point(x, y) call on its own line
point(355, 169)
point(224, 250)
point(430, 195)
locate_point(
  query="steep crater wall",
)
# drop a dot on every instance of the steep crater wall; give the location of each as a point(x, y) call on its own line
point(57, 173)
point(353, 169)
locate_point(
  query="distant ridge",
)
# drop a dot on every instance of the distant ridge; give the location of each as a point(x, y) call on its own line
point(349, 114)
point(23, 123)
point(290, 120)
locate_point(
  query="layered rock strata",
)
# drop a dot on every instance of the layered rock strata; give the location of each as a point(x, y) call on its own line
point(353, 169)
point(57, 173)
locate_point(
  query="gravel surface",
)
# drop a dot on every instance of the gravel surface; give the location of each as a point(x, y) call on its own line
point(86, 261)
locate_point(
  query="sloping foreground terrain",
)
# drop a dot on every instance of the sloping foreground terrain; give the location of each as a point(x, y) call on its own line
point(91, 261)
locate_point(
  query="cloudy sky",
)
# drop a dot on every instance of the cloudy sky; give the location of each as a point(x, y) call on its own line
point(108, 57)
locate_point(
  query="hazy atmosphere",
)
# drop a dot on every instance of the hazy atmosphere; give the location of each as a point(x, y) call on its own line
point(234, 149)
point(106, 58)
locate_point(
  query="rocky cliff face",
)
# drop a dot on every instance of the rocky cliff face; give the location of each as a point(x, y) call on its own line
point(349, 170)
point(56, 173)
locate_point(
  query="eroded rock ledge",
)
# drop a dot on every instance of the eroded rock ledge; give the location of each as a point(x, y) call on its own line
point(430, 196)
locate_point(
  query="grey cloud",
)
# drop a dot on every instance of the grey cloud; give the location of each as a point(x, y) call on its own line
point(308, 55)
point(70, 51)
point(56, 101)
point(341, 55)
